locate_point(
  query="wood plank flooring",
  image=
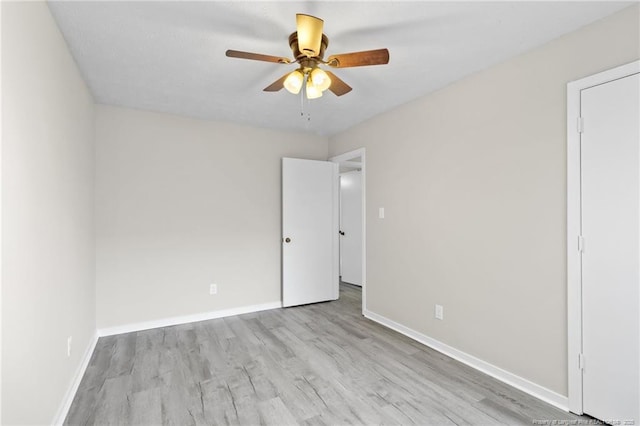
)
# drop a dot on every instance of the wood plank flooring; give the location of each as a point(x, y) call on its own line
point(321, 364)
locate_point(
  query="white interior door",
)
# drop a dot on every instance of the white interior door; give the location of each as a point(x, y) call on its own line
point(351, 227)
point(310, 231)
point(611, 257)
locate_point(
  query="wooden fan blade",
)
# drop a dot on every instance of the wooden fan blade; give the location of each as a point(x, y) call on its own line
point(276, 85)
point(359, 59)
point(309, 29)
point(257, 57)
point(338, 87)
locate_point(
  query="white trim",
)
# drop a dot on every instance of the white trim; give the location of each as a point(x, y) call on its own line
point(185, 319)
point(61, 415)
point(351, 164)
point(511, 379)
point(574, 225)
point(1, 132)
point(360, 152)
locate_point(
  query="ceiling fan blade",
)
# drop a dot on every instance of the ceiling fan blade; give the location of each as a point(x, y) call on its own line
point(276, 85)
point(359, 59)
point(257, 57)
point(338, 87)
point(309, 30)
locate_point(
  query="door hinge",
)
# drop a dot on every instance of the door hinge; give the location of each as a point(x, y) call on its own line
point(581, 362)
point(580, 244)
point(580, 125)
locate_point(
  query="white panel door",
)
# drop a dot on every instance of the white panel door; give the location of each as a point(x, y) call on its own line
point(351, 226)
point(611, 256)
point(310, 231)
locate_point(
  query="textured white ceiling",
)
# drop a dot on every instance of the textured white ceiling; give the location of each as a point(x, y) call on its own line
point(170, 56)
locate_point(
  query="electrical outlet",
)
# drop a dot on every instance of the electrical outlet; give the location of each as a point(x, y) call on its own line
point(439, 312)
point(213, 289)
point(69, 340)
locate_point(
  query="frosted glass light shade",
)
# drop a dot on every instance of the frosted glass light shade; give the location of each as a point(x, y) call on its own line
point(313, 92)
point(320, 79)
point(293, 82)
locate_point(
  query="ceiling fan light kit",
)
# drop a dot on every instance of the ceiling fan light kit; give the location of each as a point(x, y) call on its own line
point(308, 45)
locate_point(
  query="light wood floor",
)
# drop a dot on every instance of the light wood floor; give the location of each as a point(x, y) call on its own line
point(310, 365)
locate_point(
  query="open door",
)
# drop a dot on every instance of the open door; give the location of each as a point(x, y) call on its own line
point(309, 231)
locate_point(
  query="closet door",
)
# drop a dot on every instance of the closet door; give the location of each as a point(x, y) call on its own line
point(610, 172)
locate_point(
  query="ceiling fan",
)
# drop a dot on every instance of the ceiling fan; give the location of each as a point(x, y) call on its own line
point(308, 45)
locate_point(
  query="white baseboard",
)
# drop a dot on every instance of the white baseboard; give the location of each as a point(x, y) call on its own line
point(75, 383)
point(533, 389)
point(165, 322)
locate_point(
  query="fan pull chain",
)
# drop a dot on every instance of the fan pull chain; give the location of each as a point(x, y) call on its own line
point(308, 112)
point(303, 96)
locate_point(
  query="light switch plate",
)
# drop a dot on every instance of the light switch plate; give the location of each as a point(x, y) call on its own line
point(381, 213)
point(439, 312)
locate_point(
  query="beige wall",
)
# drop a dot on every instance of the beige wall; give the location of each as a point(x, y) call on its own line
point(48, 290)
point(473, 181)
point(183, 203)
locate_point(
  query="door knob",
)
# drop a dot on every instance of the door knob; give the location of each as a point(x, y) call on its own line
point(287, 240)
point(341, 233)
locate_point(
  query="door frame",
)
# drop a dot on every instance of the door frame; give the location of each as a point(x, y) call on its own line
point(360, 152)
point(574, 225)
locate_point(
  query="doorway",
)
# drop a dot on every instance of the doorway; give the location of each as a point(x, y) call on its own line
point(351, 225)
point(603, 244)
point(352, 169)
